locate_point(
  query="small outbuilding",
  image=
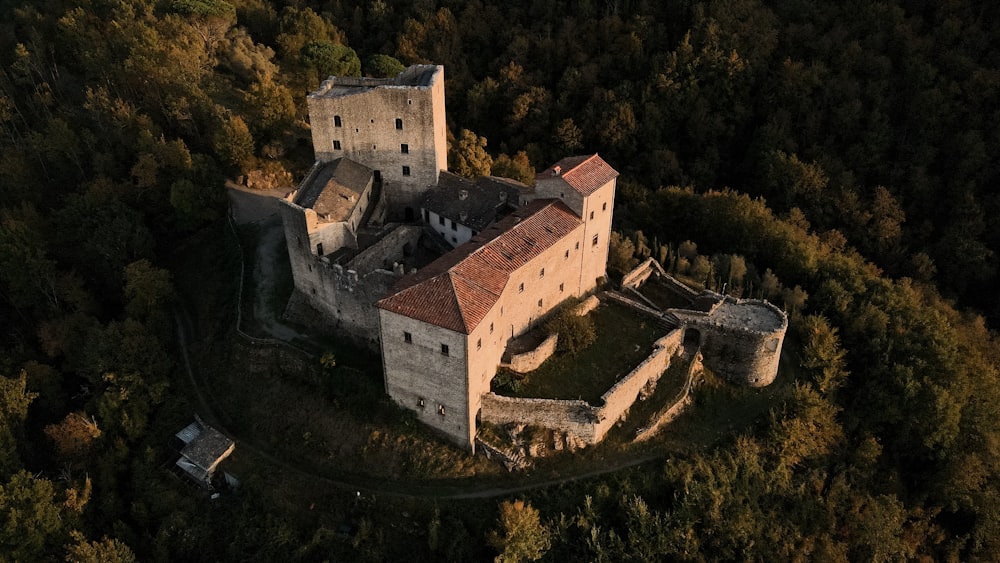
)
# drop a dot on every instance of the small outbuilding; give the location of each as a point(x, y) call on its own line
point(204, 449)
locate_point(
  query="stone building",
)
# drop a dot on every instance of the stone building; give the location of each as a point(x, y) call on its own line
point(396, 126)
point(458, 313)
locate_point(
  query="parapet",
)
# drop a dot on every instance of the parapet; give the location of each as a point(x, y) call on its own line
point(415, 76)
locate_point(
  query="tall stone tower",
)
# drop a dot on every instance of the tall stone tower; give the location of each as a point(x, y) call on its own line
point(395, 126)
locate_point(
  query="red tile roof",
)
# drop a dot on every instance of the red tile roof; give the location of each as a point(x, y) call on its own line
point(458, 290)
point(585, 174)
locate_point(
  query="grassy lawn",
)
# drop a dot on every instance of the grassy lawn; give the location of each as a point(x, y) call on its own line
point(623, 340)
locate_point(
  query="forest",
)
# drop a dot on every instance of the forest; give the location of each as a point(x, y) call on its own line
point(838, 152)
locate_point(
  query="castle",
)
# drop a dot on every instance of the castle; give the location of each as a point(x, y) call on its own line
point(436, 271)
point(363, 227)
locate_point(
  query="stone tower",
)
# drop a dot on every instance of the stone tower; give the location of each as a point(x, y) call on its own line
point(395, 126)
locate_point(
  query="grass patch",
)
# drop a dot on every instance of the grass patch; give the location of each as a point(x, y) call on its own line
point(623, 340)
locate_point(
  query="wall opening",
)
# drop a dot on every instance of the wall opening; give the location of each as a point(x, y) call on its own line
point(409, 213)
point(692, 338)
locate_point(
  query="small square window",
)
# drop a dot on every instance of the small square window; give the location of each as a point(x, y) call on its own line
point(566, 255)
point(409, 102)
point(541, 273)
point(591, 214)
point(577, 246)
point(479, 344)
point(408, 338)
point(336, 121)
point(539, 302)
point(336, 145)
point(444, 349)
point(404, 148)
point(491, 328)
point(441, 410)
point(440, 219)
point(373, 147)
point(454, 226)
point(356, 130)
point(594, 242)
point(373, 120)
point(406, 171)
point(454, 239)
point(520, 288)
point(399, 123)
point(420, 402)
point(604, 206)
point(561, 288)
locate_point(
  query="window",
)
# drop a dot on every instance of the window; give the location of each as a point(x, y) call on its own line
point(336, 145)
point(591, 214)
point(373, 147)
point(539, 302)
point(577, 246)
point(319, 249)
point(541, 273)
point(409, 102)
point(420, 402)
point(454, 226)
point(594, 242)
point(520, 288)
point(404, 148)
point(408, 338)
point(310, 267)
point(454, 240)
point(491, 328)
point(604, 206)
point(441, 410)
point(444, 349)
point(566, 256)
point(406, 171)
point(399, 123)
point(336, 121)
point(373, 120)
point(479, 344)
point(440, 219)
point(561, 288)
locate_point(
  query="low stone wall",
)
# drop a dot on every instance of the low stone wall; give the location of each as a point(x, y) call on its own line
point(641, 273)
point(574, 416)
point(587, 305)
point(588, 423)
point(529, 361)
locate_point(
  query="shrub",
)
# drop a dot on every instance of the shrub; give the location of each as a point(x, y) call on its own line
point(575, 332)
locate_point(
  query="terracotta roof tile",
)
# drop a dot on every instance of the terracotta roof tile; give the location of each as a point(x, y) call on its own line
point(585, 174)
point(458, 290)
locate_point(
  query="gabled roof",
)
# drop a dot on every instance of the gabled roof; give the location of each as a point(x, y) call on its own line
point(335, 188)
point(473, 204)
point(458, 290)
point(585, 174)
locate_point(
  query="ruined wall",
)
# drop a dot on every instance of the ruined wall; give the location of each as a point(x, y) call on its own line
point(393, 248)
point(733, 348)
point(641, 273)
point(587, 422)
point(574, 417)
point(529, 361)
point(347, 297)
point(587, 305)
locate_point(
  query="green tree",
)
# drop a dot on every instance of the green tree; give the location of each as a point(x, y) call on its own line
point(383, 66)
point(521, 535)
point(107, 550)
point(467, 155)
point(517, 167)
point(14, 401)
point(30, 522)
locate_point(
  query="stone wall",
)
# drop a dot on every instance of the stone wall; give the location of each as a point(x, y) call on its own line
point(587, 422)
point(641, 273)
point(587, 305)
point(529, 361)
point(393, 248)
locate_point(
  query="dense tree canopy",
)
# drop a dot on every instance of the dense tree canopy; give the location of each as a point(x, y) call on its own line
point(831, 157)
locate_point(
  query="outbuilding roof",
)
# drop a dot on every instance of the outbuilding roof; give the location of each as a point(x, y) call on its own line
point(335, 188)
point(457, 291)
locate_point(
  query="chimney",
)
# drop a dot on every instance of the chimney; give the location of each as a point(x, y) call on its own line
point(463, 195)
point(556, 170)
